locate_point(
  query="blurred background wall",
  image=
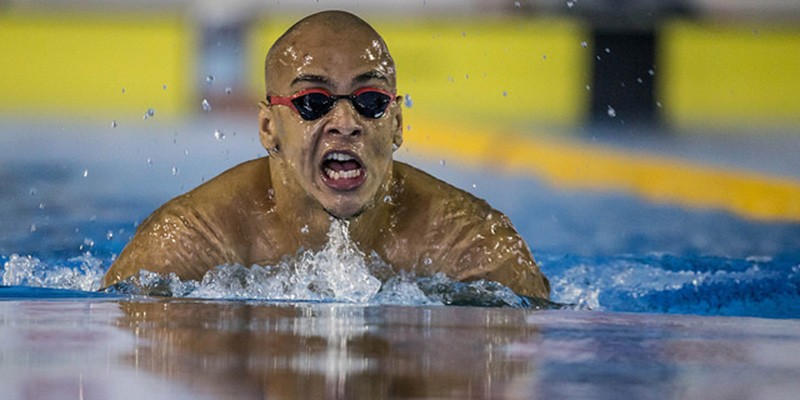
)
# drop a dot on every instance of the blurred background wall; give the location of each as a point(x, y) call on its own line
point(669, 63)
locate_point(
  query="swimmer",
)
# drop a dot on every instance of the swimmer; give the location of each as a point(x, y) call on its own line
point(330, 123)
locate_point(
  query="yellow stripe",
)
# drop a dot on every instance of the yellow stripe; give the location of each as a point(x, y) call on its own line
point(730, 74)
point(571, 164)
point(78, 64)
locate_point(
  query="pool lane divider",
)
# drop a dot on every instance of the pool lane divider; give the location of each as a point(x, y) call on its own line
point(574, 164)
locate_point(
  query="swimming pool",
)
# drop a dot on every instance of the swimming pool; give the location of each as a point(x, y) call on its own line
point(73, 193)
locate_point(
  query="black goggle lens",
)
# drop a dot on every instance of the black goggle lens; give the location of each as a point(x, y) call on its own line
point(371, 104)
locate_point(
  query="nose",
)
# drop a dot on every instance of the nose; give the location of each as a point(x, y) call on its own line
point(343, 120)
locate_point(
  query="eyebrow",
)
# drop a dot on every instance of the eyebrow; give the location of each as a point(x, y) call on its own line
point(371, 75)
point(312, 78)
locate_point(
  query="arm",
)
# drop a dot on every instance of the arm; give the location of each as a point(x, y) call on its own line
point(176, 238)
point(493, 250)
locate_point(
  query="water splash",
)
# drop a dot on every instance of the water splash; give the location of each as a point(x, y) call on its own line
point(84, 272)
point(339, 272)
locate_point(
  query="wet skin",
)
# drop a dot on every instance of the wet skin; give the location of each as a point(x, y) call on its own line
point(262, 210)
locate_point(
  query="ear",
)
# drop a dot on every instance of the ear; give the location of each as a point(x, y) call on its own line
point(397, 124)
point(266, 127)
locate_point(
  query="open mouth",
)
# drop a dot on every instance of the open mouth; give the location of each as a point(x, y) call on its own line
point(342, 171)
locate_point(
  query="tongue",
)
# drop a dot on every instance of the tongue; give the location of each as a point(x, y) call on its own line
point(339, 166)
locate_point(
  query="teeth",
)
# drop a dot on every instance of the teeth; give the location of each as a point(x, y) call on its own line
point(339, 157)
point(342, 174)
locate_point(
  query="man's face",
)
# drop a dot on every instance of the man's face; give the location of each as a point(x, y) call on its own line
point(342, 159)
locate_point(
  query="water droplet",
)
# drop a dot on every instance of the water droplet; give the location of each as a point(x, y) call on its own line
point(442, 162)
point(33, 191)
point(463, 34)
point(505, 94)
point(41, 206)
point(88, 242)
point(584, 44)
point(109, 235)
point(174, 171)
point(206, 106)
point(651, 72)
point(85, 173)
point(387, 199)
point(219, 135)
point(114, 123)
point(658, 104)
point(611, 112)
point(228, 90)
point(517, 4)
point(149, 161)
point(544, 56)
point(598, 58)
point(210, 79)
point(186, 152)
point(149, 113)
point(407, 101)
point(588, 87)
point(608, 51)
point(304, 229)
point(474, 186)
point(33, 227)
point(639, 80)
point(164, 87)
point(570, 4)
point(123, 90)
point(427, 261)
point(408, 127)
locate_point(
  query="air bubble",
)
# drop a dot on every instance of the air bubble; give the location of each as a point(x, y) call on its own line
point(206, 106)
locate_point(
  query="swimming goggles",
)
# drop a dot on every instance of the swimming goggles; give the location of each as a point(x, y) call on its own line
point(312, 104)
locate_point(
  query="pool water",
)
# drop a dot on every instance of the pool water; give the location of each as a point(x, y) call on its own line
point(664, 301)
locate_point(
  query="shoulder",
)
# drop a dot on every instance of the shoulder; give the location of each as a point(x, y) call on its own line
point(245, 185)
point(422, 189)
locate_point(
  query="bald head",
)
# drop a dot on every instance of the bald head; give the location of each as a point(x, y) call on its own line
point(330, 37)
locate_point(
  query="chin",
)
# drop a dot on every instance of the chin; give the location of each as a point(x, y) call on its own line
point(346, 208)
